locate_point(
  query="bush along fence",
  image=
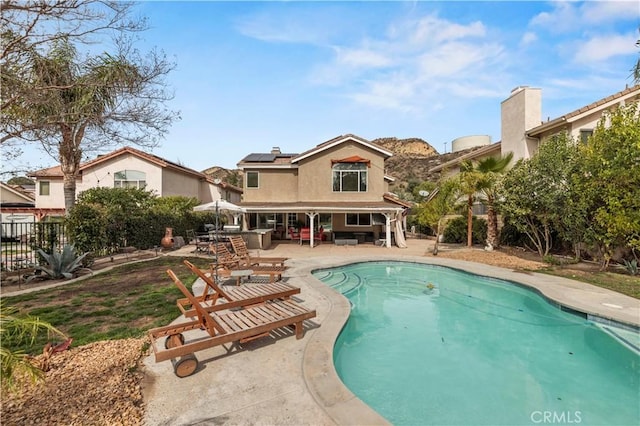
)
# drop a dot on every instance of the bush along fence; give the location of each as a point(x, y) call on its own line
point(19, 243)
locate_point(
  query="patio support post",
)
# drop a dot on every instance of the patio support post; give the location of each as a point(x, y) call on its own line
point(388, 229)
point(312, 216)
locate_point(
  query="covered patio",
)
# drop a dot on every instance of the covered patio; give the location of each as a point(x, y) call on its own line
point(380, 223)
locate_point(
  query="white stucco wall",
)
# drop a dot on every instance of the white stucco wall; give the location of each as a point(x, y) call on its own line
point(55, 199)
point(102, 175)
point(519, 113)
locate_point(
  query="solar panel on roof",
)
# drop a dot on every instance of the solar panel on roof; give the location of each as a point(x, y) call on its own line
point(260, 158)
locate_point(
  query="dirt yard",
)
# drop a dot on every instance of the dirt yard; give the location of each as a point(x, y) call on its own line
point(505, 258)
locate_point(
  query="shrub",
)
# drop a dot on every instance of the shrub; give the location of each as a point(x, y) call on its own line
point(456, 230)
point(511, 236)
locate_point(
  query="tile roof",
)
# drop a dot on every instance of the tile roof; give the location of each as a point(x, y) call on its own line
point(634, 91)
point(56, 171)
point(471, 155)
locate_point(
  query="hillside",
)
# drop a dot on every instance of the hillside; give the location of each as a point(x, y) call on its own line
point(412, 147)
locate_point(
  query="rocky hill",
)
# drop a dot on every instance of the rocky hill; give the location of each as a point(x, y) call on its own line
point(232, 177)
point(412, 147)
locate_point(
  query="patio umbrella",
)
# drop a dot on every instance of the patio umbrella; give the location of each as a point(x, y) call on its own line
point(220, 206)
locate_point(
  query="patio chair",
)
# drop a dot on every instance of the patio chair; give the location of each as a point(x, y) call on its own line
point(305, 235)
point(235, 325)
point(230, 265)
point(214, 298)
point(241, 251)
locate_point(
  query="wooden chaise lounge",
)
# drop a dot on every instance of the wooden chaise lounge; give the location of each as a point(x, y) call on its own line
point(242, 251)
point(240, 325)
point(227, 264)
point(214, 298)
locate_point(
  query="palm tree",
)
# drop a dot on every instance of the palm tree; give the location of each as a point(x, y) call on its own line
point(16, 364)
point(491, 170)
point(79, 99)
point(469, 182)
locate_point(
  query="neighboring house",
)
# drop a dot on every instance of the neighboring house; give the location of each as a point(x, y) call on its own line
point(523, 130)
point(16, 208)
point(131, 168)
point(339, 185)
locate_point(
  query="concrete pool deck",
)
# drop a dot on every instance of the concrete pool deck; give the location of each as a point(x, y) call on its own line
point(284, 381)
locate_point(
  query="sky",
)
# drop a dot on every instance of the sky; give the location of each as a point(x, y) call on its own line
point(255, 75)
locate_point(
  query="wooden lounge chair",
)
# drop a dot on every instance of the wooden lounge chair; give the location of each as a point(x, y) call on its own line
point(222, 327)
point(230, 265)
point(241, 251)
point(214, 298)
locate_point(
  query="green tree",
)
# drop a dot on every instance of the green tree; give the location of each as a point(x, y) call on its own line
point(608, 182)
point(73, 104)
point(19, 329)
point(28, 27)
point(442, 202)
point(89, 102)
point(20, 180)
point(537, 191)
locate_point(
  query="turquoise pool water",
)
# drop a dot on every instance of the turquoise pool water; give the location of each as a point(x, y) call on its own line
point(431, 345)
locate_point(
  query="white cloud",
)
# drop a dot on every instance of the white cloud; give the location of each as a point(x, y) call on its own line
point(603, 47)
point(408, 64)
point(285, 27)
point(433, 30)
point(568, 16)
point(454, 58)
point(597, 12)
point(562, 18)
point(528, 38)
point(395, 92)
point(361, 57)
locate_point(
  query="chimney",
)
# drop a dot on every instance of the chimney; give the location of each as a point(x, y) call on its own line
point(521, 111)
point(276, 150)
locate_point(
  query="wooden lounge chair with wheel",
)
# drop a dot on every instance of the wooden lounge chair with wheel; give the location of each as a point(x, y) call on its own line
point(229, 265)
point(214, 298)
point(242, 251)
point(240, 325)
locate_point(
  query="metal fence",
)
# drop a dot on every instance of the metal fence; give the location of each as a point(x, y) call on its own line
point(19, 242)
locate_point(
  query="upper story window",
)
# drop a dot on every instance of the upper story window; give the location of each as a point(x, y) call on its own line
point(45, 188)
point(585, 134)
point(350, 177)
point(252, 179)
point(129, 179)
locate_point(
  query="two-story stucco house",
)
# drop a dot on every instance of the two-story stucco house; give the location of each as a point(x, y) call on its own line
point(523, 129)
point(131, 168)
point(339, 185)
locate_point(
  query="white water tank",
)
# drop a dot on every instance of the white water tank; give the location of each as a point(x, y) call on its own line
point(466, 142)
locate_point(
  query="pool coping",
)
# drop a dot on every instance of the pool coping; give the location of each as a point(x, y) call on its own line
point(342, 406)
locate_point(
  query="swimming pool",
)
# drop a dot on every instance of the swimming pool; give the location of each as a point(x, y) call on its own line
point(432, 345)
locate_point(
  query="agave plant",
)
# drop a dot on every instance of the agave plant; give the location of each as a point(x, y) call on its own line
point(62, 264)
point(631, 266)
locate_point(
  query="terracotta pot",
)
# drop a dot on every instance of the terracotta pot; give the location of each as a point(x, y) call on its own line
point(167, 240)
